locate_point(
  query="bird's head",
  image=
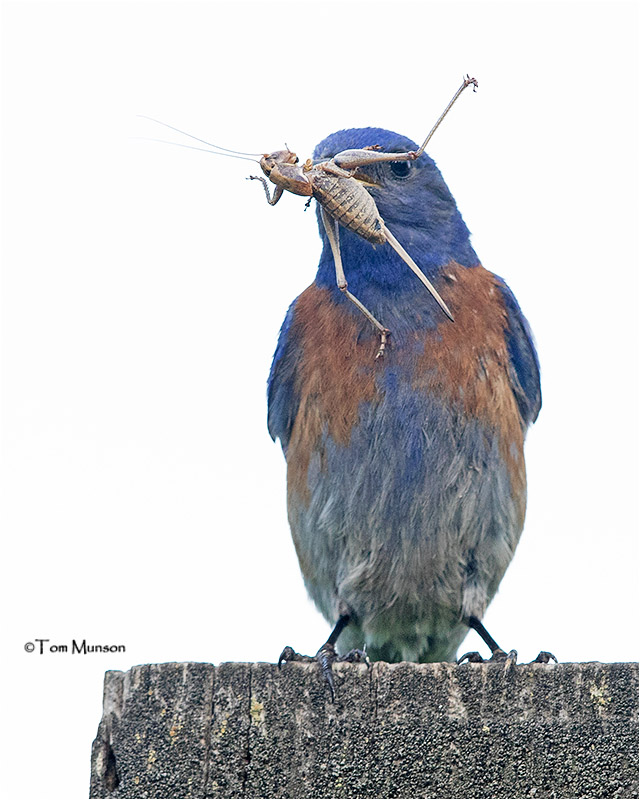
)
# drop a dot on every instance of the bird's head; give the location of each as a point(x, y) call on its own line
point(411, 193)
point(411, 196)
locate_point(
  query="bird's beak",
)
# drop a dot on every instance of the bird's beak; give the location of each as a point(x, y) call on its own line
point(364, 179)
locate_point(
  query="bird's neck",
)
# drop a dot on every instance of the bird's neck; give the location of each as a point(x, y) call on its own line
point(379, 269)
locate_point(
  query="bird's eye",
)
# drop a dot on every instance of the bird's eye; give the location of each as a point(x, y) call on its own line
point(400, 168)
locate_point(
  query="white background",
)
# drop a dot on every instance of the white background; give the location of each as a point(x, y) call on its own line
point(144, 286)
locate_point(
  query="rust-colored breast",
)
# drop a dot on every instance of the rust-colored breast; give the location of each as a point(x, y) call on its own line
point(335, 375)
point(463, 364)
point(467, 362)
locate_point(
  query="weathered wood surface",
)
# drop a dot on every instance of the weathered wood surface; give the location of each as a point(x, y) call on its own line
point(395, 730)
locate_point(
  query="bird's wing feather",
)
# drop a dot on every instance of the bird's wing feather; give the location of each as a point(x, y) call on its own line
point(524, 367)
point(282, 394)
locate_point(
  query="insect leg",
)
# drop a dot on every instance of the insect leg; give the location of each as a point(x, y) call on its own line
point(352, 159)
point(331, 227)
point(466, 82)
point(331, 168)
point(412, 265)
point(277, 194)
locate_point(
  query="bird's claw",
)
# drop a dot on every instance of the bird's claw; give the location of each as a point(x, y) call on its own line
point(544, 657)
point(473, 657)
point(289, 654)
point(508, 659)
point(326, 657)
point(499, 656)
point(356, 656)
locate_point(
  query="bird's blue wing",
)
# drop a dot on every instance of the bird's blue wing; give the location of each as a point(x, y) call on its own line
point(524, 369)
point(282, 394)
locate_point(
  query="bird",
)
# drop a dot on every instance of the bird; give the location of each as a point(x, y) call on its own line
point(406, 481)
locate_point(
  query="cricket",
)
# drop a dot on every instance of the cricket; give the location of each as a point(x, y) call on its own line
point(342, 191)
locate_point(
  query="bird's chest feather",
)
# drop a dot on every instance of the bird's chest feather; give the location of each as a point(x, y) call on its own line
point(434, 377)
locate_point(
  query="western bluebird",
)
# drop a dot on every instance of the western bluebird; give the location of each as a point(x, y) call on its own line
point(406, 478)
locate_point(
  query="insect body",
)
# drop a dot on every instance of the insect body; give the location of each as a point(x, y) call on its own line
point(341, 190)
point(349, 203)
point(337, 190)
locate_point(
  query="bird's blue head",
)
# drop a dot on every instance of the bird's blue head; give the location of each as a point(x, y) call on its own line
point(413, 200)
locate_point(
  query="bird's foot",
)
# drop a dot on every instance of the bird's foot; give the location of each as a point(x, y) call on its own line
point(326, 657)
point(544, 657)
point(508, 659)
point(289, 654)
point(499, 656)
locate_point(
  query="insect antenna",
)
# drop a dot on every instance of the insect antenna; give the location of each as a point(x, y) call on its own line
point(237, 153)
point(191, 147)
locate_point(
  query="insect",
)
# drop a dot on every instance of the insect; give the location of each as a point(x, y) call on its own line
point(342, 191)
